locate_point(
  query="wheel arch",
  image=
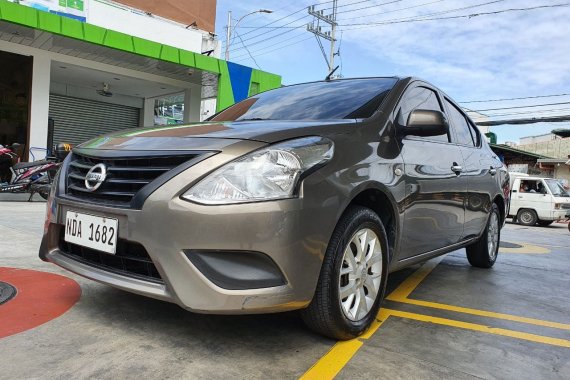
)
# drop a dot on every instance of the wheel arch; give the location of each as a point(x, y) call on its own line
point(377, 198)
point(500, 202)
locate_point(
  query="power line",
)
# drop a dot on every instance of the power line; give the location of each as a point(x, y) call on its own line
point(284, 26)
point(392, 21)
point(284, 46)
point(394, 10)
point(554, 119)
point(248, 52)
point(370, 6)
point(529, 112)
point(517, 107)
point(372, 24)
point(507, 99)
point(265, 39)
point(420, 17)
point(272, 46)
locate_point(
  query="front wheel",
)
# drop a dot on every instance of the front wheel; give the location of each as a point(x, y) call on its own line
point(483, 253)
point(353, 277)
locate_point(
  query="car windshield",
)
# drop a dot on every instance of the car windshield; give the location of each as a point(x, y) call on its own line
point(556, 188)
point(340, 99)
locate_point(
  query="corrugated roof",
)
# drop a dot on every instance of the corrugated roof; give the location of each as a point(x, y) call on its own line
point(518, 151)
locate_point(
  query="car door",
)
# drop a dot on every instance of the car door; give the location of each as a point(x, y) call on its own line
point(435, 190)
point(479, 168)
point(530, 196)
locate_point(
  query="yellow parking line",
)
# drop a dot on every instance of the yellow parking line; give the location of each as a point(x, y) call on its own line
point(333, 361)
point(490, 314)
point(411, 283)
point(482, 328)
point(526, 248)
point(336, 358)
point(402, 293)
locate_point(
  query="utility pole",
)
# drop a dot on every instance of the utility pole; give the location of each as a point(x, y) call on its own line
point(228, 35)
point(329, 35)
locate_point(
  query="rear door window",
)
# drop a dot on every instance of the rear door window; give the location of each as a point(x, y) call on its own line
point(463, 132)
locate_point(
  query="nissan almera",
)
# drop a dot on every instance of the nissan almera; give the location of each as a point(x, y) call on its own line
point(303, 197)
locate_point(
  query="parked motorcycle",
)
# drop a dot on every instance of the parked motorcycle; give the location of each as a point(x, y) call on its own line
point(29, 177)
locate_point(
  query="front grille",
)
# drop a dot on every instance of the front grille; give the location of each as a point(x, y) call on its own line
point(566, 206)
point(131, 259)
point(126, 176)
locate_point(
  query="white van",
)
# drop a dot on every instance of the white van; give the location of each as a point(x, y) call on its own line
point(537, 200)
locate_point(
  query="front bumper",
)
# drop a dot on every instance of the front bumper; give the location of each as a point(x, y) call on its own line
point(293, 233)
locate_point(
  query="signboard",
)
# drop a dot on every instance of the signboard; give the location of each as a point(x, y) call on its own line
point(76, 9)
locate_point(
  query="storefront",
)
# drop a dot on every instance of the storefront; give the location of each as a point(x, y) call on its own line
point(92, 80)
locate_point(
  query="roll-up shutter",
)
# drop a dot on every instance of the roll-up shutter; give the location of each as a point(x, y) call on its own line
point(78, 120)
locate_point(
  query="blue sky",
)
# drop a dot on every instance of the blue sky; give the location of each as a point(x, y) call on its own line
point(506, 55)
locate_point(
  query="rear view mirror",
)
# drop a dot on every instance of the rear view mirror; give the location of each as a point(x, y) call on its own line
point(425, 123)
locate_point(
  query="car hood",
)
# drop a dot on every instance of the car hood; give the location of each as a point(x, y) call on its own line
point(212, 135)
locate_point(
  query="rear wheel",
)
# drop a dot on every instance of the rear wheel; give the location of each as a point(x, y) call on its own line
point(483, 253)
point(545, 223)
point(527, 217)
point(353, 277)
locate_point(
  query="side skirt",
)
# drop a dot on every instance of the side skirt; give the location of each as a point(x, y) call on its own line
point(401, 264)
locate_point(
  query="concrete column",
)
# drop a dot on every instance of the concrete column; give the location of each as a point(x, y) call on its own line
point(148, 112)
point(39, 111)
point(192, 102)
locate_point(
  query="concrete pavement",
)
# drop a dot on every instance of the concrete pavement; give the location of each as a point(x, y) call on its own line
point(449, 321)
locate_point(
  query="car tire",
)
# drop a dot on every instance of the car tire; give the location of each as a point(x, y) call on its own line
point(527, 217)
point(545, 223)
point(483, 253)
point(351, 272)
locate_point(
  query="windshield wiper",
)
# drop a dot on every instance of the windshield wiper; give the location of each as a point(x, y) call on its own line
point(253, 119)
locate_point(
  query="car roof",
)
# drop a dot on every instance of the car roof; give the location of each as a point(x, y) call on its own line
point(348, 79)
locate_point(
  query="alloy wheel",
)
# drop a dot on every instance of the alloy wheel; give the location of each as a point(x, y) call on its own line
point(493, 235)
point(360, 274)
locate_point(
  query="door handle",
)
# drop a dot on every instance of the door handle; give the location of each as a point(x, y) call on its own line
point(493, 171)
point(456, 168)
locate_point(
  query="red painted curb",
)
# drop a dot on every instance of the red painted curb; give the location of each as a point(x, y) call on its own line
point(41, 297)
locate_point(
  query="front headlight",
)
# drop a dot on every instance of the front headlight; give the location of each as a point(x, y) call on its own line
point(268, 173)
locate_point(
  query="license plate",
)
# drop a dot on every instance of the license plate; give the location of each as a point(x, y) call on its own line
point(91, 231)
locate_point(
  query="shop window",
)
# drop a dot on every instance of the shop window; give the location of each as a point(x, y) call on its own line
point(169, 109)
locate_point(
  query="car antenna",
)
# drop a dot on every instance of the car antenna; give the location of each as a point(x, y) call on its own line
point(328, 78)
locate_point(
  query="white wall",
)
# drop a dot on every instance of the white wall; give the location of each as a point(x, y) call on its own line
point(119, 18)
point(207, 108)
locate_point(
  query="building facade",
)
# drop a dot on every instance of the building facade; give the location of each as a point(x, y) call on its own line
point(91, 67)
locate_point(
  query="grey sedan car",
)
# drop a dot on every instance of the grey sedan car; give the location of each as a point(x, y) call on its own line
point(303, 197)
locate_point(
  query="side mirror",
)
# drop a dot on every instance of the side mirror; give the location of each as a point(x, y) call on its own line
point(425, 123)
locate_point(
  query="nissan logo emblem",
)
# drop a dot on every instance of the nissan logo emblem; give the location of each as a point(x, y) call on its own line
point(95, 177)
